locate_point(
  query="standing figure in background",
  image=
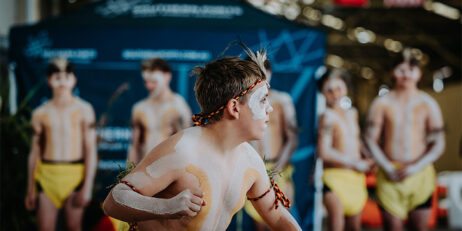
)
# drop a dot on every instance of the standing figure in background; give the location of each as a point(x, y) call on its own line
point(405, 136)
point(278, 145)
point(160, 115)
point(62, 160)
point(339, 146)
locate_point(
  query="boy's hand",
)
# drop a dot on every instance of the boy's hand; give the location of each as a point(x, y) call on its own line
point(31, 200)
point(186, 203)
point(81, 198)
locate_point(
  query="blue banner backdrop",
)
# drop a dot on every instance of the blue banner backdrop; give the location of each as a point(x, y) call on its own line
point(107, 65)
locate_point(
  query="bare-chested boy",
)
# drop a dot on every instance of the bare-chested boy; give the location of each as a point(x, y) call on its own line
point(339, 146)
point(278, 145)
point(200, 177)
point(160, 115)
point(405, 136)
point(62, 160)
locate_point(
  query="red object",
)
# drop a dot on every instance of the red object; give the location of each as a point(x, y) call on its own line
point(104, 224)
point(351, 2)
point(403, 3)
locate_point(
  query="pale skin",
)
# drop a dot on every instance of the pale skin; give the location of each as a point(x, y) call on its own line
point(157, 117)
point(410, 124)
point(210, 172)
point(63, 132)
point(339, 146)
point(280, 140)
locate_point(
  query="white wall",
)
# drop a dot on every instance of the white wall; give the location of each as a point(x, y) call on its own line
point(8, 16)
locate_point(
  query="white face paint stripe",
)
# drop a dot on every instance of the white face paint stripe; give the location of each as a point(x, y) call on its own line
point(254, 103)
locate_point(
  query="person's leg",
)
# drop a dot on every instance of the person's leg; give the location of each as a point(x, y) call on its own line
point(47, 213)
point(391, 222)
point(260, 226)
point(73, 215)
point(353, 223)
point(335, 212)
point(418, 219)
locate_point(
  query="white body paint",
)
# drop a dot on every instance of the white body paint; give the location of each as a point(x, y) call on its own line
point(63, 129)
point(155, 119)
point(258, 111)
point(62, 82)
point(226, 185)
point(406, 125)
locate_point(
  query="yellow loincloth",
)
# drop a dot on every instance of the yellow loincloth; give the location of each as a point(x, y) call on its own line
point(283, 180)
point(399, 198)
point(349, 186)
point(59, 180)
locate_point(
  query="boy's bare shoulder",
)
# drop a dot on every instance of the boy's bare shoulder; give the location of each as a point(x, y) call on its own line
point(182, 144)
point(254, 159)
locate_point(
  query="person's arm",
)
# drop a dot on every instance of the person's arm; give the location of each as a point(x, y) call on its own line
point(276, 218)
point(34, 156)
point(374, 130)
point(124, 203)
point(330, 155)
point(435, 140)
point(134, 151)
point(90, 158)
point(184, 118)
point(290, 134)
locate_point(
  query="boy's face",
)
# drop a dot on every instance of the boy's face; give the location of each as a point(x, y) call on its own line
point(62, 81)
point(255, 113)
point(334, 90)
point(406, 75)
point(156, 81)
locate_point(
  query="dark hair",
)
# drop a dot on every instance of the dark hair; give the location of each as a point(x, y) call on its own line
point(58, 65)
point(223, 79)
point(333, 73)
point(155, 64)
point(412, 60)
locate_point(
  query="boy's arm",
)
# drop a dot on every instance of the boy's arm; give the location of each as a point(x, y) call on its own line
point(134, 201)
point(90, 159)
point(276, 219)
point(134, 151)
point(435, 140)
point(290, 134)
point(330, 155)
point(374, 131)
point(34, 156)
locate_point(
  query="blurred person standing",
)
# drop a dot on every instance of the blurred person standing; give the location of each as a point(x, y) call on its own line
point(278, 145)
point(405, 136)
point(62, 160)
point(339, 146)
point(160, 115)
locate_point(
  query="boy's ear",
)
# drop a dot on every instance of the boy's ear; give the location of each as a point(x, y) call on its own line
point(233, 108)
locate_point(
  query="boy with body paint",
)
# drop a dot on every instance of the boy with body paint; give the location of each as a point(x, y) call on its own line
point(62, 160)
point(162, 114)
point(200, 177)
point(278, 145)
point(339, 146)
point(405, 136)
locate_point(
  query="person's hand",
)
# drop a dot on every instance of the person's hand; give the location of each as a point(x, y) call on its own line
point(31, 200)
point(185, 204)
point(81, 198)
point(363, 165)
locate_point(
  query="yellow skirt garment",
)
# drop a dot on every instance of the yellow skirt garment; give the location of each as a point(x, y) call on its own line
point(349, 186)
point(283, 181)
point(59, 180)
point(399, 198)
